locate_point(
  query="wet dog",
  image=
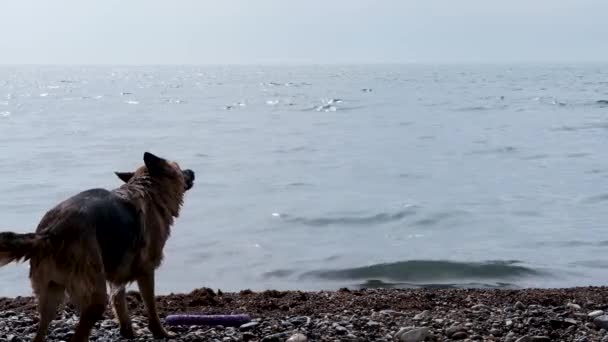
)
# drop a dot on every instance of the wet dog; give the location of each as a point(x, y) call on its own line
point(100, 237)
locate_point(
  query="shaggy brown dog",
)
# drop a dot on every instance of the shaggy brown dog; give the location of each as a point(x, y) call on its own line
point(98, 237)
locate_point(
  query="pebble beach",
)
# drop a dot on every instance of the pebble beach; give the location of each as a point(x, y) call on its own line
point(409, 315)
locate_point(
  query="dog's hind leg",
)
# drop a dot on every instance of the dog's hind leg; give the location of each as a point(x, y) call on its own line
point(119, 306)
point(92, 303)
point(49, 299)
point(146, 288)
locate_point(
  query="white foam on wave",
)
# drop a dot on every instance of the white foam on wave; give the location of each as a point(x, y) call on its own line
point(131, 102)
point(326, 108)
point(5, 114)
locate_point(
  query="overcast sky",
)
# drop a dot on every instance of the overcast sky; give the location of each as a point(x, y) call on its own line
point(302, 31)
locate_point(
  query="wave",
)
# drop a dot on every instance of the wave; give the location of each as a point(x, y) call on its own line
point(597, 199)
point(536, 157)
point(379, 284)
point(574, 243)
point(429, 271)
point(350, 220)
point(497, 150)
point(474, 109)
point(602, 103)
point(438, 218)
point(601, 264)
point(598, 125)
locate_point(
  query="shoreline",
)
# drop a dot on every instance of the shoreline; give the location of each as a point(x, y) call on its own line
point(561, 314)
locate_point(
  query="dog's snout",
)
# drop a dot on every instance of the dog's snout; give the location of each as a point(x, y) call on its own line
point(189, 177)
point(189, 173)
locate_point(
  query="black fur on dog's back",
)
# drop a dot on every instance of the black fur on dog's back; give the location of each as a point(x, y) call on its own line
point(114, 222)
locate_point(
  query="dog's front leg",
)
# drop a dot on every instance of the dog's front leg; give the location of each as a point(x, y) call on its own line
point(146, 288)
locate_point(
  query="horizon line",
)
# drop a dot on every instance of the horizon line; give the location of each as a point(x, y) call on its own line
point(292, 64)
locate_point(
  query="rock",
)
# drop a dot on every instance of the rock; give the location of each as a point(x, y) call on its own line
point(426, 314)
point(534, 339)
point(460, 335)
point(452, 330)
point(373, 324)
point(341, 330)
point(477, 338)
point(573, 306)
point(392, 313)
point(480, 307)
point(298, 338)
point(248, 326)
point(495, 332)
point(276, 337)
point(601, 321)
point(562, 324)
point(595, 313)
point(11, 338)
point(414, 335)
point(520, 306)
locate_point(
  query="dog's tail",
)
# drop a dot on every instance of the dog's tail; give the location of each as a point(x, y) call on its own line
point(16, 247)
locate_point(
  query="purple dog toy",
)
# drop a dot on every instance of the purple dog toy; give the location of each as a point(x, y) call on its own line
point(196, 319)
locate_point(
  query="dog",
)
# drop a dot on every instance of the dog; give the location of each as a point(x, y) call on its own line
point(98, 238)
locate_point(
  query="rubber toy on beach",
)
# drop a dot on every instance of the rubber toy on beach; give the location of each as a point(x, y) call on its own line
point(195, 319)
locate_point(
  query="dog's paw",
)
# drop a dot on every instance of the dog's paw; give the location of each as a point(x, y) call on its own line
point(163, 334)
point(127, 332)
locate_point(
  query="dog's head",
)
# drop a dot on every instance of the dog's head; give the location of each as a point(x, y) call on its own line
point(165, 172)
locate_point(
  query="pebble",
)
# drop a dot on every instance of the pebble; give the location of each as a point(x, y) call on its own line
point(248, 326)
point(596, 313)
point(341, 330)
point(573, 306)
point(414, 335)
point(426, 314)
point(461, 335)
point(373, 324)
point(392, 313)
point(453, 330)
point(534, 339)
point(480, 307)
point(298, 338)
point(520, 306)
point(276, 337)
point(601, 321)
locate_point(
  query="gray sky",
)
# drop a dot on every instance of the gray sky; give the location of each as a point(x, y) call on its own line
point(302, 31)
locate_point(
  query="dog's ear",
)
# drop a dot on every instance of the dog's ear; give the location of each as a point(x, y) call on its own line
point(155, 164)
point(125, 176)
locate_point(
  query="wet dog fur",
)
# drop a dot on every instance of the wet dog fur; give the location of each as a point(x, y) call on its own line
point(98, 238)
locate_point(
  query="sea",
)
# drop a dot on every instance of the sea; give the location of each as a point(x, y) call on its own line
point(320, 177)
